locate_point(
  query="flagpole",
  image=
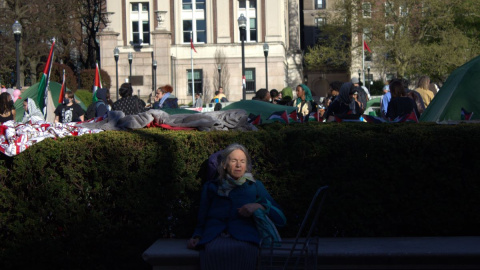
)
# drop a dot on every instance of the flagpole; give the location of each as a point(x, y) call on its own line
point(363, 59)
point(191, 56)
point(45, 98)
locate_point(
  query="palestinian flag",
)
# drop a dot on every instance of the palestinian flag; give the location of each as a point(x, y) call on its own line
point(315, 116)
point(62, 90)
point(44, 81)
point(255, 119)
point(293, 115)
point(466, 115)
point(97, 83)
point(280, 115)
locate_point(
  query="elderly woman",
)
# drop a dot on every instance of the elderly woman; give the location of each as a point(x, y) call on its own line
point(304, 102)
point(7, 109)
point(226, 233)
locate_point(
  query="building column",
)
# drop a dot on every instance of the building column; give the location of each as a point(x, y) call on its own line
point(108, 41)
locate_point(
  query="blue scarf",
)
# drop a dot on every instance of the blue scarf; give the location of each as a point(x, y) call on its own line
point(226, 185)
point(160, 104)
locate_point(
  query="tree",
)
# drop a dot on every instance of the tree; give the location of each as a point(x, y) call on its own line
point(412, 37)
point(91, 20)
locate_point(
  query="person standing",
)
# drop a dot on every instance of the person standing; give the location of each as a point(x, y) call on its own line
point(198, 101)
point(423, 85)
point(304, 102)
point(70, 111)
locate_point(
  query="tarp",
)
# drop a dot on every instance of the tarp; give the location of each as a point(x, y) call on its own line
point(31, 92)
point(461, 90)
point(265, 109)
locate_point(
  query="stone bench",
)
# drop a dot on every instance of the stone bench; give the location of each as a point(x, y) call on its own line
point(348, 253)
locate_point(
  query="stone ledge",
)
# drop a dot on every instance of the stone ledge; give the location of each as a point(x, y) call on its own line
point(345, 253)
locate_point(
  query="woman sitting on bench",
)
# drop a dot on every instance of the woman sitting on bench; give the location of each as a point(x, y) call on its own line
point(226, 234)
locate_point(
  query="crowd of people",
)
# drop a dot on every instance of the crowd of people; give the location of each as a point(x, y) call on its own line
point(345, 100)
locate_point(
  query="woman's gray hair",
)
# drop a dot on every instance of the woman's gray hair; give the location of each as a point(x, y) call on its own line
point(222, 173)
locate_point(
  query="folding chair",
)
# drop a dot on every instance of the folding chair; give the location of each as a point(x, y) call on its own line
point(300, 253)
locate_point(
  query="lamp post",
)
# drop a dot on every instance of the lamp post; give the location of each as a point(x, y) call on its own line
point(17, 32)
point(265, 52)
point(359, 74)
point(242, 25)
point(130, 59)
point(154, 64)
point(219, 76)
point(368, 76)
point(116, 52)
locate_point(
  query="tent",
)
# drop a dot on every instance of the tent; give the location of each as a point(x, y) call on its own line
point(31, 92)
point(461, 90)
point(256, 107)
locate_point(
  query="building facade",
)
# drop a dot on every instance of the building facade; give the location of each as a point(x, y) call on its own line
point(315, 14)
point(159, 31)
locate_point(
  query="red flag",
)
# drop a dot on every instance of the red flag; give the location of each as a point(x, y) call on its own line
point(62, 90)
point(191, 43)
point(97, 83)
point(365, 46)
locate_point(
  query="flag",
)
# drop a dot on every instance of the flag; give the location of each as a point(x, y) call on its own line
point(62, 90)
point(44, 81)
point(97, 83)
point(255, 119)
point(365, 46)
point(293, 115)
point(411, 117)
point(466, 115)
point(374, 119)
point(191, 43)
point(315, 116)
point(280, 115)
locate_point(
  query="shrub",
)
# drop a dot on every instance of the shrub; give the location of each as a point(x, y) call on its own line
point(114, 193)
point(56, 75)
point(85, 96)
point(87, 77)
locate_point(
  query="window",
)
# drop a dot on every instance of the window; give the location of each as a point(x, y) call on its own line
point(251, 14)
point(367, 10)
point(140, 23)
point(389, 32)
point(320, 4)
point(320, 22)
point(193, 19)
point(388, 9)
point(197, 81)
point(250, 80)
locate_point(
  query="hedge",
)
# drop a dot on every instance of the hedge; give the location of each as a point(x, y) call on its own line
point(98, 201)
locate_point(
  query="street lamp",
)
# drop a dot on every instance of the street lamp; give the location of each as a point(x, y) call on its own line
point(116, 52)
point(130, 58)
point(219, 76)
point(242, 25)
point(265, 52)
point(368, 76)
point(154, 64)
point(17, 32)
point(359, 74)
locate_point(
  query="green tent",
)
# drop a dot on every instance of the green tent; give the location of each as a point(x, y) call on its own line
point(461, 90)
point(32, 91)
point(265, 109)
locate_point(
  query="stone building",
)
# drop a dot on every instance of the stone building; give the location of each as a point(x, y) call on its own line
point(159, 30)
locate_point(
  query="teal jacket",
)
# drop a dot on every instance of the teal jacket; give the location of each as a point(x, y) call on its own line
point(219, 214)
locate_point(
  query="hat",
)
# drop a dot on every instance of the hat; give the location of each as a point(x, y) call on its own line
point(355, 80)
